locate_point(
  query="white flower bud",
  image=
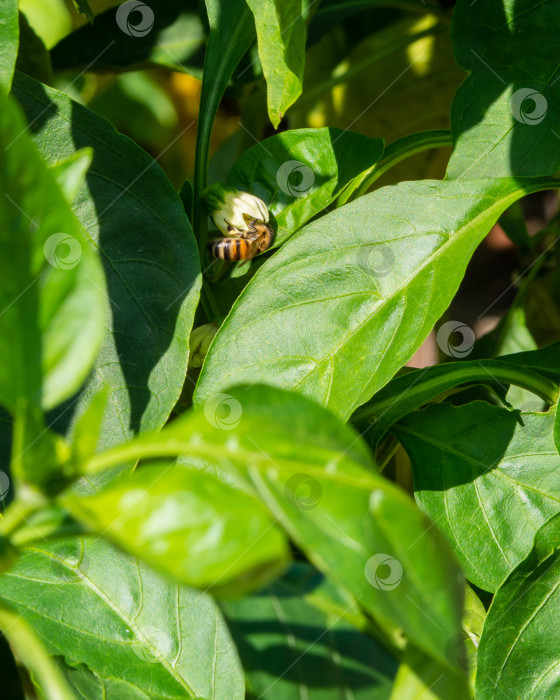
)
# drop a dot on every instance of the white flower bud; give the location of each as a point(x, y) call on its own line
point(235, 210)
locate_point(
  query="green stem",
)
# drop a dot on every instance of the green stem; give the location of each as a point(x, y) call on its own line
point(210, 305)
point(388, 455)
point(200, 220)
point(19, 512)
point(395, 153)
point(34, 655)
point(461, 374)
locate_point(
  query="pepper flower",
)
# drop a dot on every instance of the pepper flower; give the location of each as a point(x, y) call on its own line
point(231, 210)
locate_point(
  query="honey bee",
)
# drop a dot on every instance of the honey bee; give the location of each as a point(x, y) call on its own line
point(243, 246)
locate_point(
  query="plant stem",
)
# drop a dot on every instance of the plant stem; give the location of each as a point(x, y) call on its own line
point(18, 513)
point(395, 153)
point(34, 655)
point(478, 372)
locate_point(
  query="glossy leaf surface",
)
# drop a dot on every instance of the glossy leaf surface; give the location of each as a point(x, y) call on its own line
point(488, 477)
point(188, 525)
point(317, 478)
point(122, 630)
point(361, 287)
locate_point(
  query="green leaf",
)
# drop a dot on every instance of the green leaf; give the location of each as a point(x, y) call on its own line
point(49, 273)
point(34, 655)
point(9, 38)
point(170, 34)
point(33, 57)
point(381, 271)
point(70, 172)
point(83, 7)
point(317, 478)
point(281, 38)
point(422, 678)
point(291, 648)
point(532, 371)
point(396, 152)
point(88, 427)
point(473, 622)
point(299, 173)
point(151, 263)
point(516, 656)
point(487, 477)
point(505, 115)
point(122, 630)
point(188, 525)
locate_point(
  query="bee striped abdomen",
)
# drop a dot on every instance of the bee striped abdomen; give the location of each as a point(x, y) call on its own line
point(229, 249)
point(256, 239)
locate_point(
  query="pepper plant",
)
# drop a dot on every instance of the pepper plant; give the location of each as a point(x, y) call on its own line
point(243, 524)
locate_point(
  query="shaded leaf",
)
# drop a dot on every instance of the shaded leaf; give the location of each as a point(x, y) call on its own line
point(150, 258)
point(291, 648)
point(48, 274)
point(505, 115)
point(516, 657)
point(488, 477)
point(169, 34)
